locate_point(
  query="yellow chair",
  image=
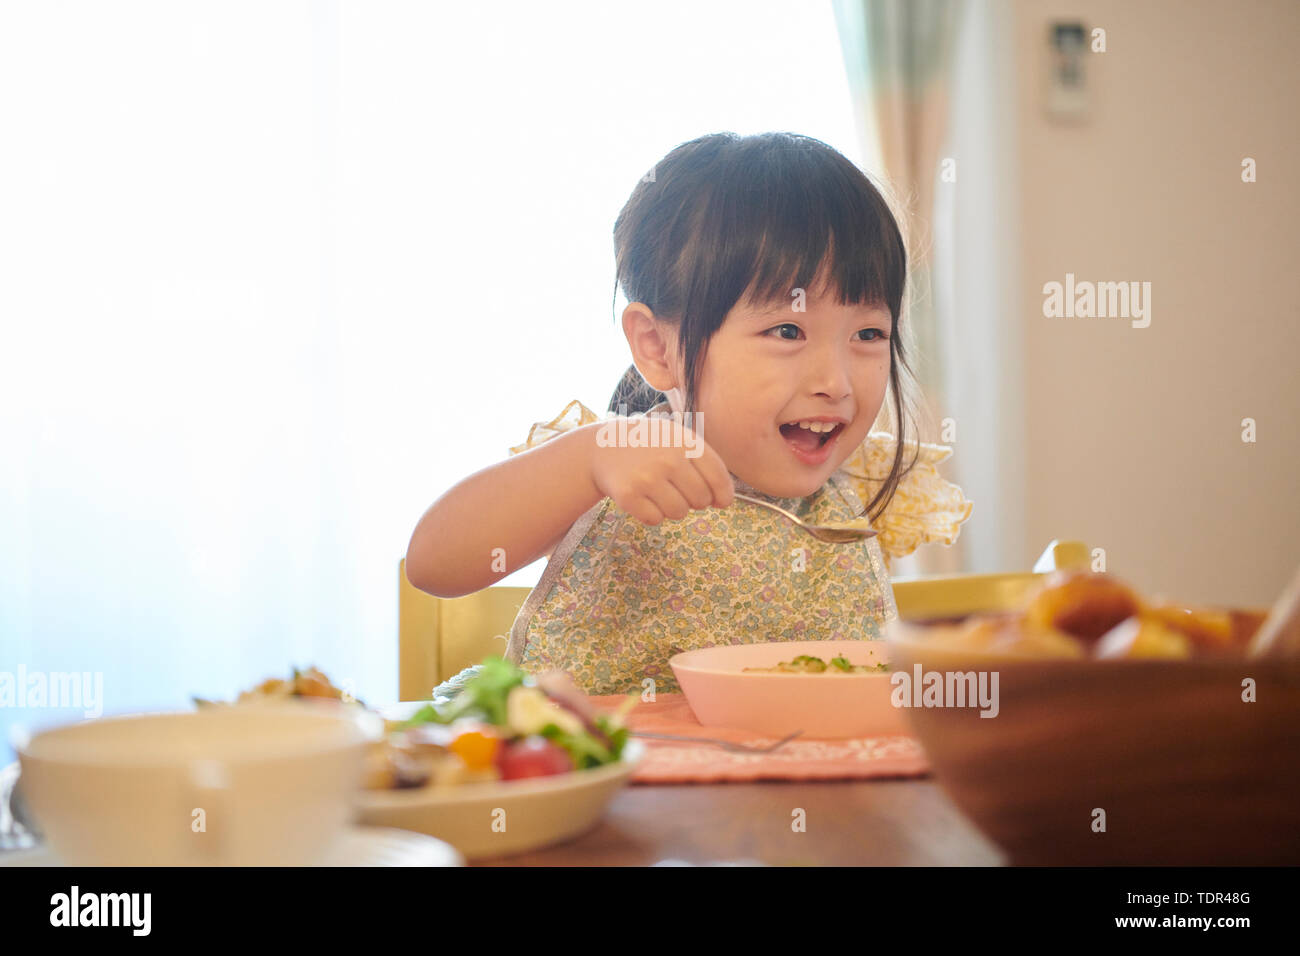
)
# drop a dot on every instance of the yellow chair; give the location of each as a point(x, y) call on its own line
point(440, 637)
point(437, 638)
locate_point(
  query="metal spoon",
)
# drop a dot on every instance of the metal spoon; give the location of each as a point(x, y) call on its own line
point(17, 830)
point(724, 744)
point(1279, 635)
point(834, 533)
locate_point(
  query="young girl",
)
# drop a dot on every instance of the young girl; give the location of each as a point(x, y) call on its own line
point(765, 278)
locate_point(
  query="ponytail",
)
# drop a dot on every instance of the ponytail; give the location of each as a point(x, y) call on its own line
point(634, 392)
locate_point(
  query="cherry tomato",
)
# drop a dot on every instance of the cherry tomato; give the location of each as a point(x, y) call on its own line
point(533, 756)
point(478, 750)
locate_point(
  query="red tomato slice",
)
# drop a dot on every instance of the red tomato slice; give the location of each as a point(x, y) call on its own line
point(533, 756)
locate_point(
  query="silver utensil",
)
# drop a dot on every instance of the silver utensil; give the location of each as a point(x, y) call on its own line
point(725, 744)
point(17, 830)
point(1279, 635)
point(834, 533)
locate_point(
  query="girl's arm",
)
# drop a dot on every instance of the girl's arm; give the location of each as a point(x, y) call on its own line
point(523, 505)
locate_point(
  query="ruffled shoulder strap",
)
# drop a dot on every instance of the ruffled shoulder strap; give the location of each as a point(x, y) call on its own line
point(925, 508)
point(575, 415)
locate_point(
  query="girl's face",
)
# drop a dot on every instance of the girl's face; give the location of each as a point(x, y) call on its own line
point(769, 368)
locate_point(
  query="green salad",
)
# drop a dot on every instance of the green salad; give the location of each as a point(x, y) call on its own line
point(519, 708)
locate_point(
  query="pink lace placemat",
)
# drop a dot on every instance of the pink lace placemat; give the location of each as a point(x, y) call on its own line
point(671, 761)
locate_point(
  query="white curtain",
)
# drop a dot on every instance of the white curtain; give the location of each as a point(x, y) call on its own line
point(976, 286)
point(933, 81)
point(274, 275)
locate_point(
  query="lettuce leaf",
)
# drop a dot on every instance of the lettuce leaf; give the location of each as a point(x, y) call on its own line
point(483, 697)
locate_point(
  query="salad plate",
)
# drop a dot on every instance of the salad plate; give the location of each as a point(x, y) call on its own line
point(504, 817)
point(514, 762)
point(826, 689)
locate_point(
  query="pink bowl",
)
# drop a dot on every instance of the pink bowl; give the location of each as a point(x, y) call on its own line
point(821, 705)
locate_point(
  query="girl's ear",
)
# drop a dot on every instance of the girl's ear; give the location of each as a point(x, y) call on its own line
point(654, 346)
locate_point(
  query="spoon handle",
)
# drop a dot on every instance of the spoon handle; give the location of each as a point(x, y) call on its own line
point(767, 504)
point(1279, 635)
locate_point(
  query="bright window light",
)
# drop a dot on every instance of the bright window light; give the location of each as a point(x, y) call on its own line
point(277, 275)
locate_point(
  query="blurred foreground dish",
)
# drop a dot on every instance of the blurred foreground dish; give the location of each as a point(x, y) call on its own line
point(504, 725)
point(1126, 731)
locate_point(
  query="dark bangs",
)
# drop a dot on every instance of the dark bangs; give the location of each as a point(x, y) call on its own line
point(727, 220)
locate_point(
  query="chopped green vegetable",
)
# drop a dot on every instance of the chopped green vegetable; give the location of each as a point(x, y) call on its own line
point(428, 714)
point(483, 697)
point(617, 735)
point(585, 749)
point(804, 664)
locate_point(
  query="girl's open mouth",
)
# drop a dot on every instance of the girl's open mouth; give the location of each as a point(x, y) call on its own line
point(811, 446)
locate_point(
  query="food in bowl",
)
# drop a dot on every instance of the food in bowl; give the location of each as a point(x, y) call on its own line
point(775, 688)
point(310, 683)
point(807, 664)
point(1086, 615)
point(1148, 718)
point(504, 725)
point(860, 523)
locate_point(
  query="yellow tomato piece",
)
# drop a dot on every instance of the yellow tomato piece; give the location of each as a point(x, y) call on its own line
point(1207, 629)
point(477, 749)
point(1142, 637)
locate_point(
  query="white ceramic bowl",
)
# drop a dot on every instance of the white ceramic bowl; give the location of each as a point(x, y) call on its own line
point(821, 705)
point(242, 786)
point(510, 816)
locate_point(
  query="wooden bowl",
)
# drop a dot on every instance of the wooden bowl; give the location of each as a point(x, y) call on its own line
point(1181, 768)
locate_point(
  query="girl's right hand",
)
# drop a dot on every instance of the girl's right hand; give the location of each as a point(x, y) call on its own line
point(652, 484)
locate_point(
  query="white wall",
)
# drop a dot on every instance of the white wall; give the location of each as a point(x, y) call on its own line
point(1133, 436)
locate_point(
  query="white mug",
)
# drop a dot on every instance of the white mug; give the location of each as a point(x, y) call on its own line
point(259, 785)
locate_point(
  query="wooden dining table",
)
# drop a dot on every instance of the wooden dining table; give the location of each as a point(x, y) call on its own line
point(844, 823)
point(885, 821)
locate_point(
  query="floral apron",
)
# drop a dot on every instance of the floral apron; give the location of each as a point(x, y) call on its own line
point(619, 597)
